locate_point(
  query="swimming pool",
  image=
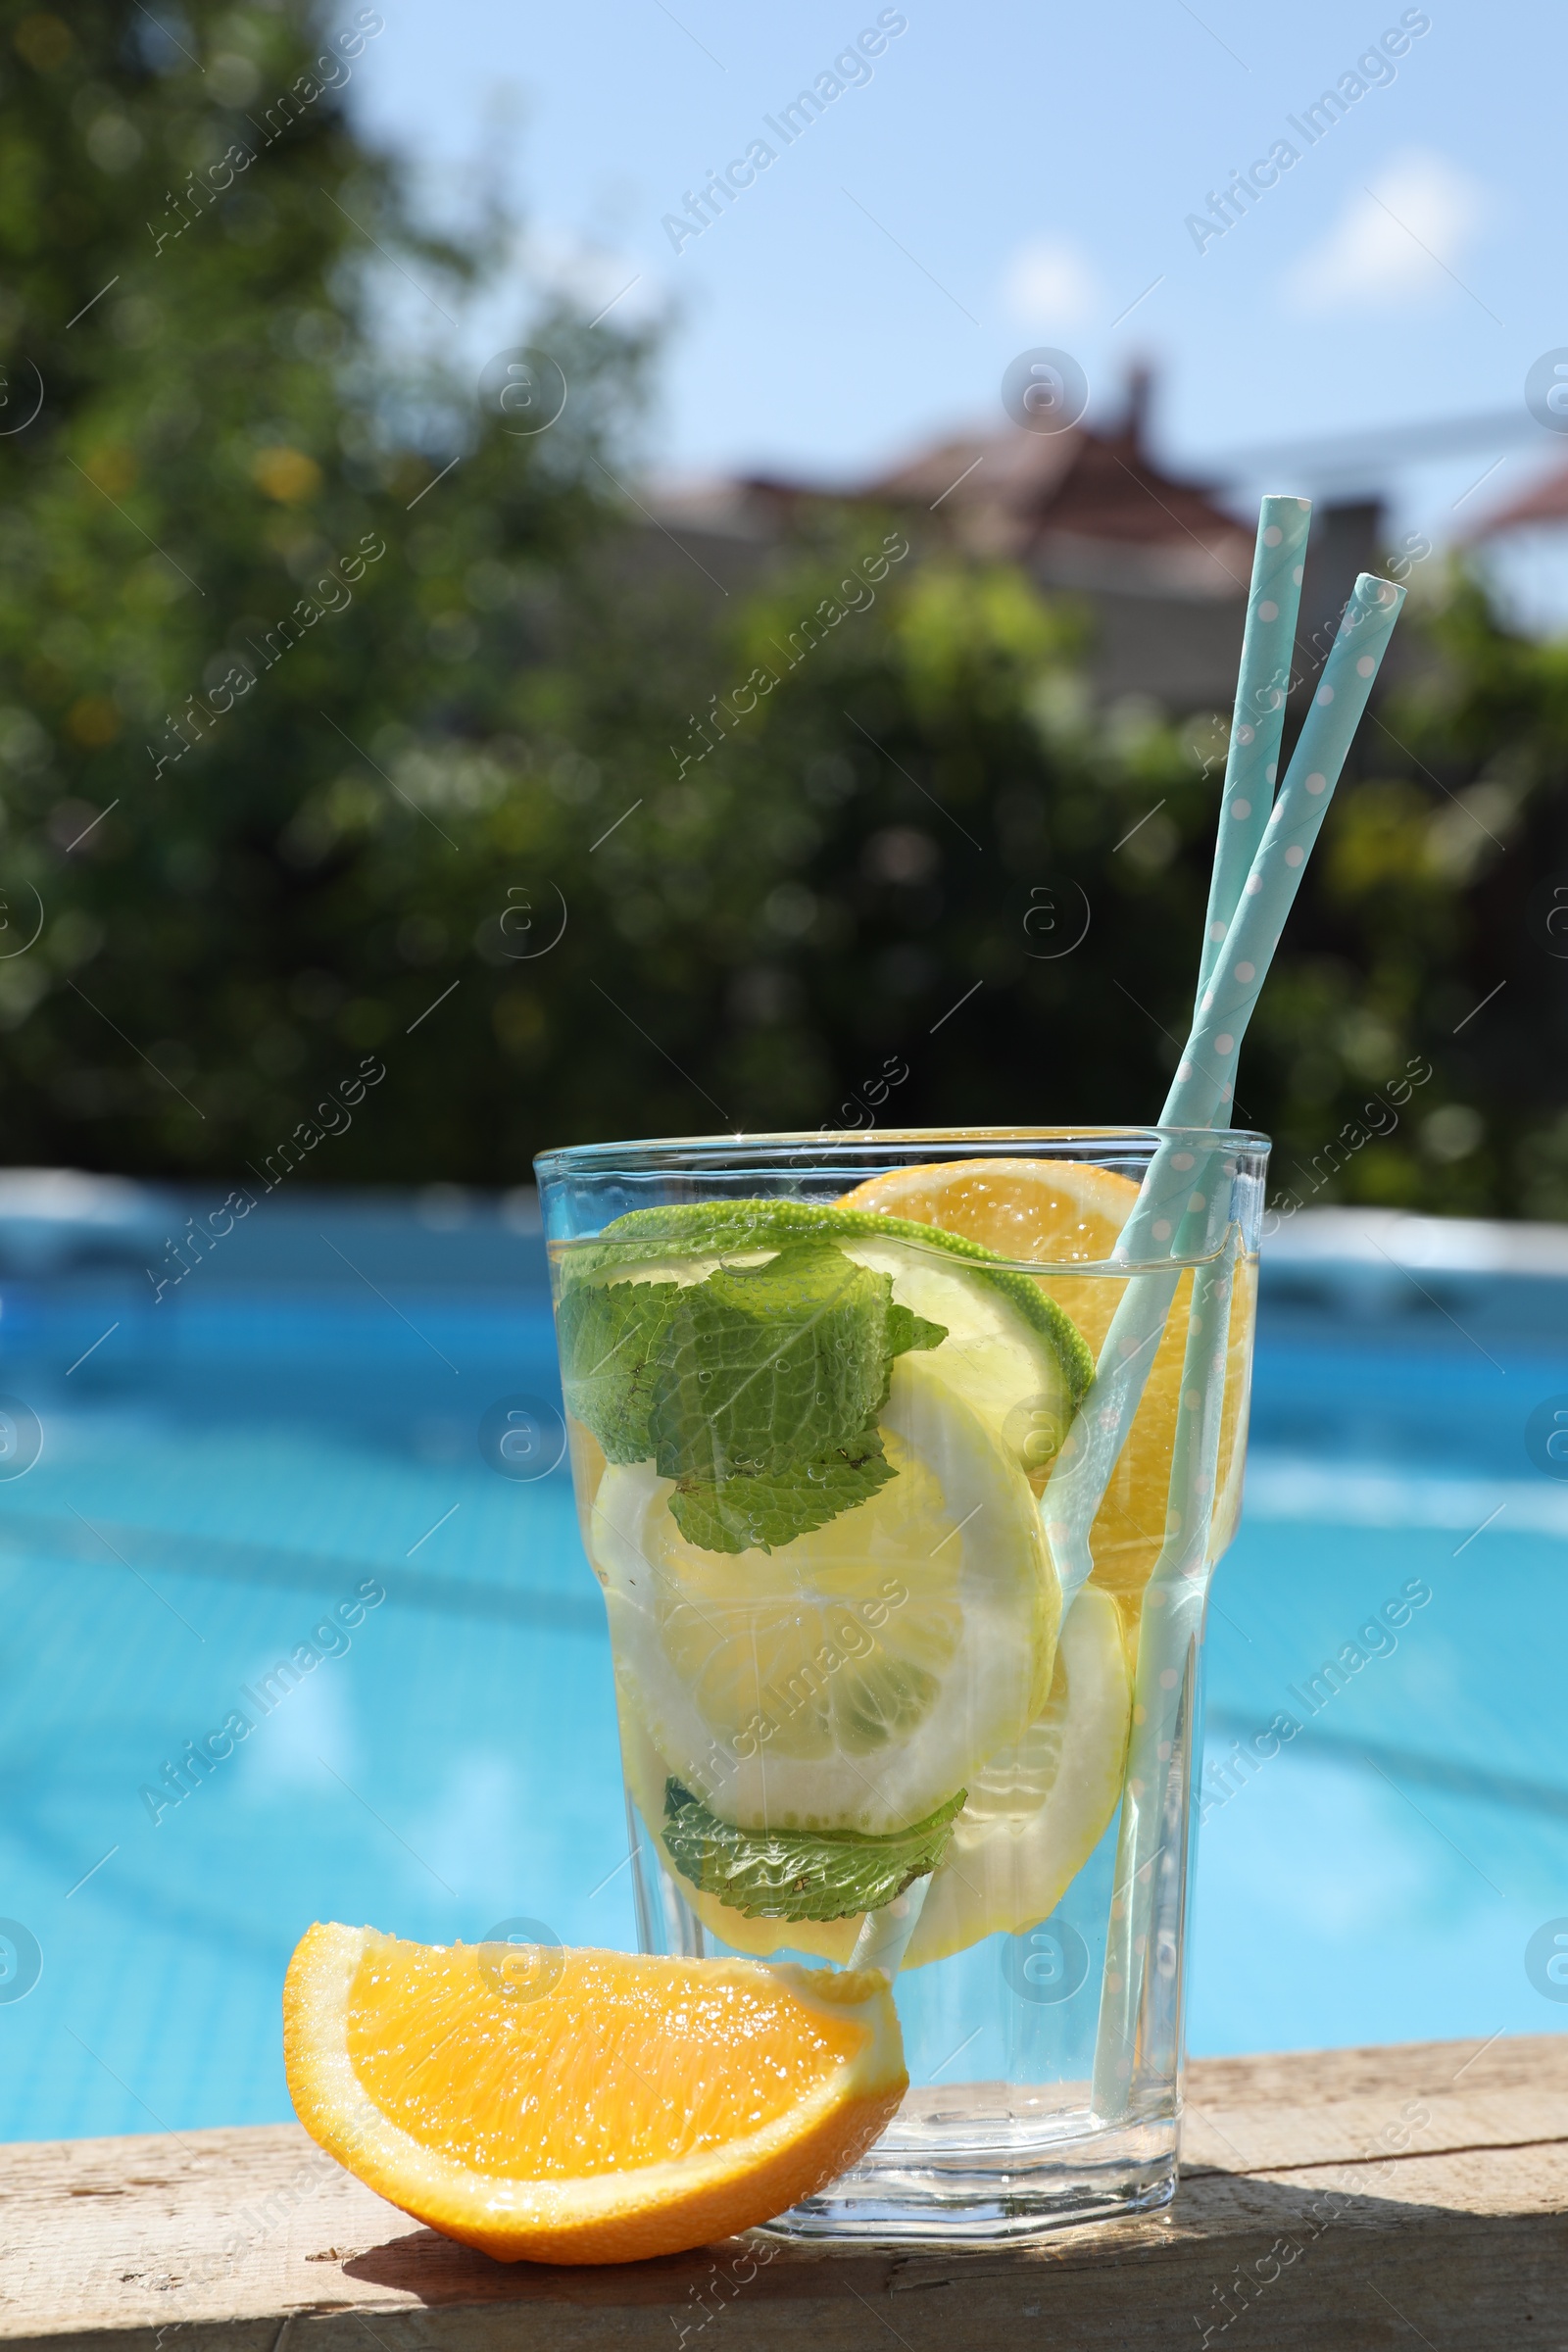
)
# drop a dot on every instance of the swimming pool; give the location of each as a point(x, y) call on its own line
point(231, 1476)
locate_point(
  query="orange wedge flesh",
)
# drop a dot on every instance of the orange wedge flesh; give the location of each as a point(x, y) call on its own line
point(1037, 1209)
point(598, 2107)
point(1057, 1212)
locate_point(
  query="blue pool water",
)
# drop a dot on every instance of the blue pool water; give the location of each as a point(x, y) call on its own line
point(300, 1421)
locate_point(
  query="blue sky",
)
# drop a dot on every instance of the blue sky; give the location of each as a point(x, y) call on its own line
point(1015, 176)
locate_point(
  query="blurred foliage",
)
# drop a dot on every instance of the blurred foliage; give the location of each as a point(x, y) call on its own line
point(233, 914)
point(576, 839)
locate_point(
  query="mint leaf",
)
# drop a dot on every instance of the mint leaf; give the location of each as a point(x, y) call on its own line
point(753, 1510)
point(768, 1367)
point(610, 1338)
point(907, 1329)
point(800, 1874)
point(702, 1229)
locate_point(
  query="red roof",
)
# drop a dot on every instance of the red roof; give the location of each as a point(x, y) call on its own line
point(1075, 497)
point(1083, 509)
point(1546, 502)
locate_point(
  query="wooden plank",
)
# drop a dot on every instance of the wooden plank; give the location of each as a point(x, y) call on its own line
point(1296, 2217)
point(1335, 2106)
point(1311, 2076)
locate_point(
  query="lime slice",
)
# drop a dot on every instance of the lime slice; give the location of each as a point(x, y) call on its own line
point(851, 1679)
point(710, 1230)
point(1040, 1805)
point(1001, 1360)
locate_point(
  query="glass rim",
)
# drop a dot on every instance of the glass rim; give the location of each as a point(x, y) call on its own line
point(743, 1146)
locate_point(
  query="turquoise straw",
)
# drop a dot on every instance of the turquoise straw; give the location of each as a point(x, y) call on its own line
point(1258, 720)
point(1164, 1690)
point(1173, 1620)
point(1205, 1080)
point(1174, 1190)
point(885, 1935)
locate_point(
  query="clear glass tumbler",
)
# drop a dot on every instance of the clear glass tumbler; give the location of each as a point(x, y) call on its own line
point(903, 1460)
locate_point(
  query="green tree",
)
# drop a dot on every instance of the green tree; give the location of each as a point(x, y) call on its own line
point(225, 605)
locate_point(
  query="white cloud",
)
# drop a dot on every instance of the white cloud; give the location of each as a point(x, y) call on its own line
point(1394, 239)
point(1049, 284)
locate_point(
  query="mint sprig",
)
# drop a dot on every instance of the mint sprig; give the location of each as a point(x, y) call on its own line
point(755, 1391)
point(800, 1874)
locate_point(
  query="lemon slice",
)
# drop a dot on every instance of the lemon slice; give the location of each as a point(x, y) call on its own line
point(1038, 1806)
point(852, 1679)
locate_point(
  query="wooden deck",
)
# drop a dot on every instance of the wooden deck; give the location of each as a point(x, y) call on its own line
point(1338, 2200)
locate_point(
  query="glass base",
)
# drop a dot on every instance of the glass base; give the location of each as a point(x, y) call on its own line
point(929, 2180)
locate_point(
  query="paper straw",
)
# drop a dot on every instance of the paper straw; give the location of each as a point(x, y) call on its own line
point(1204, 1080)
point(1258, 720)
point(1204, 1084)
point(1181, 1171)
point(1162, 1219)
point(1203, 1087)
point(1171, 1623)
point(1076, 1487)
point(885, 1935)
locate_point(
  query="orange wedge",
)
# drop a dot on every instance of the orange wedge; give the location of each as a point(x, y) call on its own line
point(1037, 1209)
point(584, 2106)
point(1061, 1212)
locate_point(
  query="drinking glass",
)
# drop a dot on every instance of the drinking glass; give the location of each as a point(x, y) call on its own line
point(928, 1696)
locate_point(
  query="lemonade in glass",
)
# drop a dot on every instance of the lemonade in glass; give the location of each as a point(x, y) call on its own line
point(829, 1407)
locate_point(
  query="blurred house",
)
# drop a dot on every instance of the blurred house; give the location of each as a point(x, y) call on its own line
point(1544, 506)
point(1521, 546)
point(1159, 566)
